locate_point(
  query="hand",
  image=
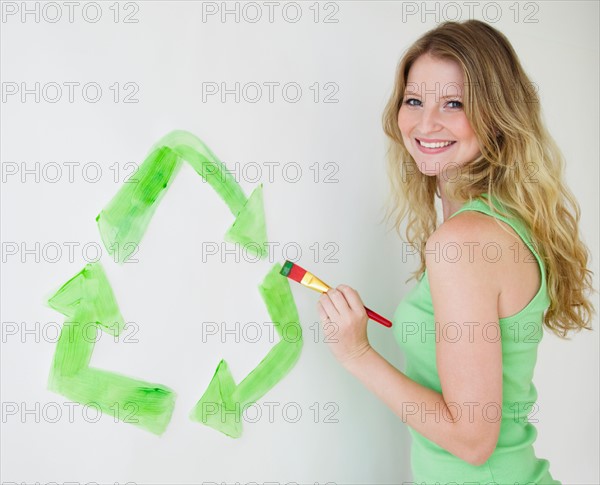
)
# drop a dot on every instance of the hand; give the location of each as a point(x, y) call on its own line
point(344, 320)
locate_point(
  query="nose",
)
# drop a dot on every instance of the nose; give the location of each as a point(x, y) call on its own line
point(429, 121)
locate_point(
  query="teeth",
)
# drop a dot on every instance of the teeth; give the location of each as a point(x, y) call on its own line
point(435, 145)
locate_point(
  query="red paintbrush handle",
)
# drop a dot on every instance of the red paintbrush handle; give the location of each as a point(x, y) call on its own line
point(378, 318)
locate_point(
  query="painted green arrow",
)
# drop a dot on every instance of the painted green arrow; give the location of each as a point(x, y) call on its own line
point(87, 297)
point(123, 222)
point(88, 302)
point(223, 403)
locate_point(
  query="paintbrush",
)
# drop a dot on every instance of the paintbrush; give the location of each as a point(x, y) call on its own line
point(306, 278)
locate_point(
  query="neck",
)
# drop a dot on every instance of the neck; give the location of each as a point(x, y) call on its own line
point(449, 206)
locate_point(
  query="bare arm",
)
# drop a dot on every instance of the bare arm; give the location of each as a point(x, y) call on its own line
point(465, 418)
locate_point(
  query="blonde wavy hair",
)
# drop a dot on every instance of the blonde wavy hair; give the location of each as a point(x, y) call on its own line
point(516, 149)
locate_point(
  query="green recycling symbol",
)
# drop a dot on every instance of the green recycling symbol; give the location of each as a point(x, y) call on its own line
point(88, 301)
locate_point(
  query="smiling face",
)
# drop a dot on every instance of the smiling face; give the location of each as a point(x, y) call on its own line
point(432, 114)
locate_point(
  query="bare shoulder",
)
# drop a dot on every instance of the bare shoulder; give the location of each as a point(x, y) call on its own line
point(473, 221)
point(471, 237)
point(480, 251)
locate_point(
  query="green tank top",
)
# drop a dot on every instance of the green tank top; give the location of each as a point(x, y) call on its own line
point(513, 460)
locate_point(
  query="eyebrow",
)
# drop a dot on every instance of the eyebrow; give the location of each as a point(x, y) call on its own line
point(411, 93)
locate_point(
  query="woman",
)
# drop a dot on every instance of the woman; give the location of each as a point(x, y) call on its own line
point(464, 124)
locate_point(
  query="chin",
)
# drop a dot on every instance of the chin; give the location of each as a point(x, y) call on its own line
point(428, 168)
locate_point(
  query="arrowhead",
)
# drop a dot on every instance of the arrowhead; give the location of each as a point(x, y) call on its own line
point(216, 408)
point(249, 228)
point(123, 222)
point(88, 297)
point(223, 403)
point(89, 303)
point(89, 292)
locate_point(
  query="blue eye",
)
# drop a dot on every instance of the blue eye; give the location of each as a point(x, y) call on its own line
point(408, 101)
point(458, 102)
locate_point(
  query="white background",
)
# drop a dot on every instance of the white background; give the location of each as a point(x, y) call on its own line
point(169, 53)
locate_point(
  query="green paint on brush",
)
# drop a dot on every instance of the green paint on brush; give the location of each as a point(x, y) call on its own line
point(287, 267)
point(89, 304)
point(123, 222)
point(222, 404)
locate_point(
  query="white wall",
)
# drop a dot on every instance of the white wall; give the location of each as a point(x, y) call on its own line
point(168, 54)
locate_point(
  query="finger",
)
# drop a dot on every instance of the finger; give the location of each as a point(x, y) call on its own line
point(352, 297)
point(339, 300)
point(329, 326)
point(329, 307)
point(322, 313)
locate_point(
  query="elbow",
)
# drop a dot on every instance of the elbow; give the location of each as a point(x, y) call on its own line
point(478, 453)
point(478, 449)
point(479, 456)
